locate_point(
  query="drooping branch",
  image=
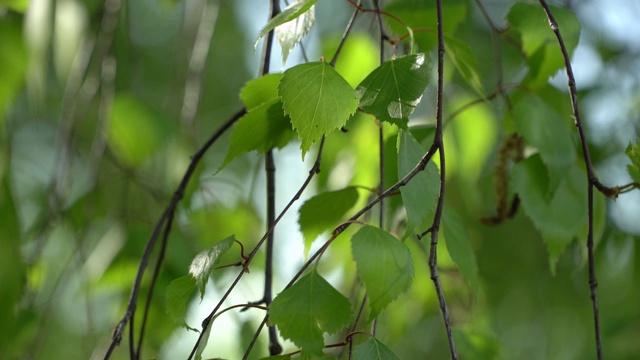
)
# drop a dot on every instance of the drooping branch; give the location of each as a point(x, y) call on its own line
point(435, 227)
point(166, 215)
point(592, 180)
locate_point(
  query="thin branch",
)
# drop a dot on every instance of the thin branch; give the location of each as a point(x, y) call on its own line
point(205, 323)
point(347, 30)
point(592, 180)
point(270, 170)
point(167, 213)
point(154, 278)
point(435, 227)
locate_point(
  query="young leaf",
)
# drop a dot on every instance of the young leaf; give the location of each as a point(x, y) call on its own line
point(464, 61)
point(263, 128)
point(633, 152)
point(421, 193)
point(373, 349)
point(324, 211)
point(306, 309)
point(178, 295)
point(317, 99)
point(290, 33)
point(384, 266)
point(459, 247)
point(291, 12)
point(260, 91)
point(204, 263)
point(393, 90)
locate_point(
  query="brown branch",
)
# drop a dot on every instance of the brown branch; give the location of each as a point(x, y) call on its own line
point(592, 180)
point(166, 215)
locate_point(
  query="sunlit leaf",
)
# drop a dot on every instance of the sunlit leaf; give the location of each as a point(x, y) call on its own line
point(317, 99)
point(204, 263)
point(384, 266)
point(307, 309)
point(459, 247)
point(465, 62)
point(393, 90)
point(421, 193)
point(291, 33)
point(324, 212)
point(260, 91)
point(290, 13)
point(633, 153)
point(263, 128)
point(178, 295)
point(373, 349)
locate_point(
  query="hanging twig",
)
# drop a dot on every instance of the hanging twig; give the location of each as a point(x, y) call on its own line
point(435, 227)
point(592, 180)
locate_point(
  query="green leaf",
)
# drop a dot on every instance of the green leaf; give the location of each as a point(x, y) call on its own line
point(464, 61)
point(459, 247)
point(421, 193)
point(16, 5)
point(324, 211)
point(420, 14)
point(393, 90)
point(384, 266)
point(277, 357)
point(13, 60)
point(12, 266)
point(136, 130)
point(291, 12)
point(539, 42)
point(317, 99)
point(373, 349)
point(178, 295)
point(633, 152)
point(263, 128)
point(203, 264)
point(306, 309)
point(263, 90)
point(544, 129)
point(291, 33)
point(559, 212)
point(306, 355)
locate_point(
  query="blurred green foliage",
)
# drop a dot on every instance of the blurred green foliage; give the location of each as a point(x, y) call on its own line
point(97, 126)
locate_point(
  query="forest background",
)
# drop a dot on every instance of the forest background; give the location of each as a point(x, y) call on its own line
point(103, 105)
